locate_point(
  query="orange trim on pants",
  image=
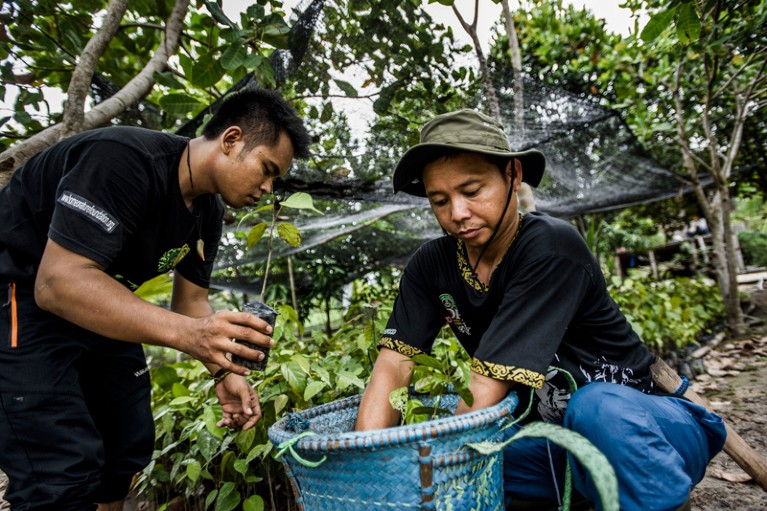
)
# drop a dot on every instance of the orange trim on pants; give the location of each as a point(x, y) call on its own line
point(14, 318)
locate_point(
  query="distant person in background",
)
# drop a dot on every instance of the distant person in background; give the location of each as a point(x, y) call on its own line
point(698, 227)
point(84, 224)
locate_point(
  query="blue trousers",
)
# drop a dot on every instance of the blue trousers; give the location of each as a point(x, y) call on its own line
point(659, 447)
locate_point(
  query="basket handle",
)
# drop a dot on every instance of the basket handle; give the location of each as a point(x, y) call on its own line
point(585, 452)
point(287, 445)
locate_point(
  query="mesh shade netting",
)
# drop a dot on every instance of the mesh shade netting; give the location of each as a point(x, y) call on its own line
point(594, 163)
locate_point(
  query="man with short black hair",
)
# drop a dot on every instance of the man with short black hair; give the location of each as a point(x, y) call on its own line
point(85, 223)
point(527, 299)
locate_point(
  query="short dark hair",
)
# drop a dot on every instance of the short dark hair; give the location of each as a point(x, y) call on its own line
point(262, 114)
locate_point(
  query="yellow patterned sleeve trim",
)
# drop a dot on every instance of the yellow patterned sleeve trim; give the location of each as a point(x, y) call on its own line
point(508, 373)
point(398, 346)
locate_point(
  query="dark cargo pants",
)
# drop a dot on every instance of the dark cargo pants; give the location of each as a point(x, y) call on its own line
point(75, 416)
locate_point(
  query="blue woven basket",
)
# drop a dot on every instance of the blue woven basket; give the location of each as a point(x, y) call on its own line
point(422, 466)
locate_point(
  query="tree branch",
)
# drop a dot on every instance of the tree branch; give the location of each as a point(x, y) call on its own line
point(83, 73)
point(100, 115)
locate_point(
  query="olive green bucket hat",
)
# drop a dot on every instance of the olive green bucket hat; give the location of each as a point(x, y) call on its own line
point(462, 130)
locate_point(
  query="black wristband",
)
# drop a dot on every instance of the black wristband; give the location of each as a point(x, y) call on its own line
point(220, 375)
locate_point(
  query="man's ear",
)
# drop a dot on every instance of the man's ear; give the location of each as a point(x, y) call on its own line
point(229, 138)
point(517, 172)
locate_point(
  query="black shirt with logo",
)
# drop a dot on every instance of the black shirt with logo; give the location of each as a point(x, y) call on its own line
point(111, 195)
point(546, 309)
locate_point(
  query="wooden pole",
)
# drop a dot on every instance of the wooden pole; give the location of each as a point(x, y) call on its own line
point(743, 454)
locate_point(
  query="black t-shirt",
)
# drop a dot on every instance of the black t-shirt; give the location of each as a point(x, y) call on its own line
point(546, 306)
point(111, 195)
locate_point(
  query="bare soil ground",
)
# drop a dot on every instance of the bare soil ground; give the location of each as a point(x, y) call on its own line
point(735, 383)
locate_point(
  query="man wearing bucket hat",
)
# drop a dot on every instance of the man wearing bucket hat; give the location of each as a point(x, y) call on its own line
point(526, 298)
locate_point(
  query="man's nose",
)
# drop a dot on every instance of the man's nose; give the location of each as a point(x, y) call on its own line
point(266, 186)
point(459, 210)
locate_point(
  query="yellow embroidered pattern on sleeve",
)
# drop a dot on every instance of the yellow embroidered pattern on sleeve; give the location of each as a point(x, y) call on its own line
point(508, 373)
point(398, 346)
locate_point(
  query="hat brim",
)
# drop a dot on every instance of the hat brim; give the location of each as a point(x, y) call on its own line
point(407, 174)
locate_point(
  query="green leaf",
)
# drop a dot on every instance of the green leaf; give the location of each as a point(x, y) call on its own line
point(228, 498)
point(233, 57)
point(348, 88)
point(211, 422)
point(181, 401)
point(253, 503)
point(344, 379)
point(327, 112)
point(657, 25)
point(427, 360)
point(312, 389)
point(178, 104)
point(279, 403)
point(207, 71)
point(218, 14)
point(208, 444)
point(168, 79)
point(241, 466)
point(259, 450)
point(289, 233)
point(294, 375)
point(398, 399)
point(411, 414)
point(688, 23)
point(381, 105)
point(245, 439)
point(211, 498)
point(255, 234)
point(180, 390)
point(193, 470)
point(300, 200)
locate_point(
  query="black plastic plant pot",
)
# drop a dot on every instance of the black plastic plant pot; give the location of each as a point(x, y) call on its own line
point(268, 314)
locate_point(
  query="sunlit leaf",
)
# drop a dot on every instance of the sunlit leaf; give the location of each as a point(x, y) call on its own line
point(253, 503)
point(299, 200)
point(688, 23)
point(289, 233)
point(279, 403)
point(657, 25)
point(255, 234)
point(312, 389)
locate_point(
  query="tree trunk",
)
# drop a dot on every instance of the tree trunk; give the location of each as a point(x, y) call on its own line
point(525, 197)
point(525, 194)
point(492, 98)
point(727, 273)
point(717, 208)
point(83, 73)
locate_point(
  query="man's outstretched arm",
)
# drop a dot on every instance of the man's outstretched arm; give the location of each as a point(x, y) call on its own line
point(392, 370)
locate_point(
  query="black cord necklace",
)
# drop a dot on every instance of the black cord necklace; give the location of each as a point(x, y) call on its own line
point(200, 243)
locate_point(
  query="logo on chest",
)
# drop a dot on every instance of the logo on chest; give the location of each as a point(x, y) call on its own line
point(453, 317)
